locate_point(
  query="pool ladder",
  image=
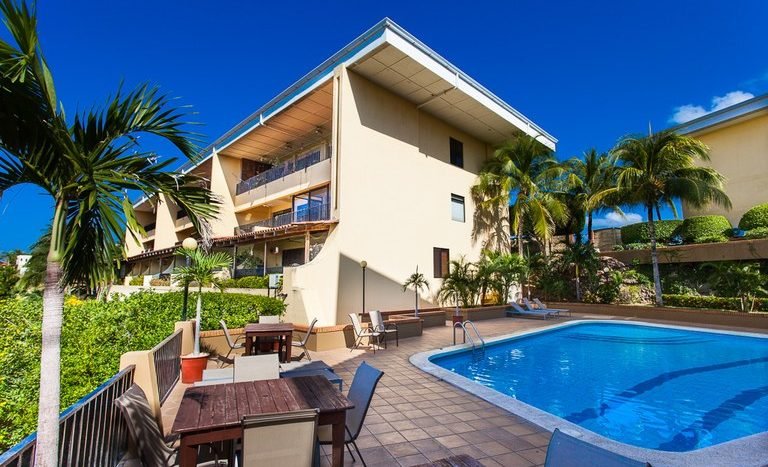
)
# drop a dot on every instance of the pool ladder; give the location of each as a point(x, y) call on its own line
point(463, 326)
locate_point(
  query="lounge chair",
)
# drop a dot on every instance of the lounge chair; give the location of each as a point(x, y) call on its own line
point(565, 450)
point(302, 344)
point(377, 321)
point(544, 306)
point(257, 367)
point(146, 434)
point(530, 307)
point(360, 393)
point(233, 344)
point(361, 333)
point(517, 310)
point(288, 439)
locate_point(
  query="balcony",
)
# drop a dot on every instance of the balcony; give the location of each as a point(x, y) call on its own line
point(319, 212)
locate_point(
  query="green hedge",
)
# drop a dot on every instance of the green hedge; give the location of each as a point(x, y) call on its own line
point(136, 280)
point(94, 335)
point(248, 282)
point(710, 302)
point(703, 229)
point(638, 233)
point(758, 232)
point(755, 218)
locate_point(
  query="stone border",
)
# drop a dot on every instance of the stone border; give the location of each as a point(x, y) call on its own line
point(746, 451)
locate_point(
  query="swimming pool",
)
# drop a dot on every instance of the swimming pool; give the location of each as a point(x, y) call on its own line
point(655, 387)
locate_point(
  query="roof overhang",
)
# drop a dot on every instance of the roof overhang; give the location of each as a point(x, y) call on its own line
point(725, 117)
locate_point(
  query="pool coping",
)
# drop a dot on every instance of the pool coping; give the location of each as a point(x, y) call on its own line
point(746, 451)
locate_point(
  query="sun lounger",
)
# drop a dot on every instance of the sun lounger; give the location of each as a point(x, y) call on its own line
point(530, 307)
point(545, 307)
point(518, 310)
point(565, 450)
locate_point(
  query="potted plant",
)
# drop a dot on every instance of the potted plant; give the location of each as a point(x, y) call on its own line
point(418, 282)
point(201, 269)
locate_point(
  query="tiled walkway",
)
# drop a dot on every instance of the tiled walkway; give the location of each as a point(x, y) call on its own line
point(415, 418)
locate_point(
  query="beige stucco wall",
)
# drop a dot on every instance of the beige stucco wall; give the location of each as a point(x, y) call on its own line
point(393, 186)
point(739, 152)
point(225, 173)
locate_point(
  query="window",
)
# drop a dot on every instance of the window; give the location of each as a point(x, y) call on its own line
point(457, 208)
point(457, 153)
point(441, 260)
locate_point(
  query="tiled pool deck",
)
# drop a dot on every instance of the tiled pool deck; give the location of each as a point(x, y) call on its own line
point(416, 418)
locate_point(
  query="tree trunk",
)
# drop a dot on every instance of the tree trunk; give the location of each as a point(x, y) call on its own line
point(198, 313)
point(654, 258)
point(416, 308)
point(578, 284)
point(520, 239)
point(590, 232)
point(47, 450)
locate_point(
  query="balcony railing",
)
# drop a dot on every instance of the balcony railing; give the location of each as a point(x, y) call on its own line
point(319, 212)
point(167, 355)
point(91, 432)
point(280, 171)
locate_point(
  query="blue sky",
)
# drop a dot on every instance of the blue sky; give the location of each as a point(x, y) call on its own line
point(587, 72)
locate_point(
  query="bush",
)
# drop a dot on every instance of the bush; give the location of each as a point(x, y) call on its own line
point(757, 232)
point(697, 229)
point(712, 239)
point(229, 283)
point(136, 280)
point(160, 282)
point(253, 282)
point(638, 233)
point(638, 246)
point(755, 218)
point(94, 335)
point(711, 302)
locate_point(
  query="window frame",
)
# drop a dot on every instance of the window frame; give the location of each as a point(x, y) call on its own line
point(456, 152)
point(455, 200)
point(438, 263)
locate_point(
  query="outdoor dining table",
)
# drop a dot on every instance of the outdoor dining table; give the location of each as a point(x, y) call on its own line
point(283, 331)
point(210, 414)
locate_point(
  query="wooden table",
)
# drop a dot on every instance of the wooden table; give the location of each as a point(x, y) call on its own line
point(281, 330)
point(209, 414)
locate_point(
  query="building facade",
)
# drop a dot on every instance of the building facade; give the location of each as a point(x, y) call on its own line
point(370, 157)
point(737, 137)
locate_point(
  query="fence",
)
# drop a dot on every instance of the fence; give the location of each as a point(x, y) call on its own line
point(280, 171)
point(167, 355)
point(92, 431)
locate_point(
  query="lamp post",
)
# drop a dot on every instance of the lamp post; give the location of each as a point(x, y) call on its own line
point(189, 244)
point(363, 265)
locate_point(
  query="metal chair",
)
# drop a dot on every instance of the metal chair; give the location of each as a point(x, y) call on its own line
point(361, 332)
point(233, 344)
point(269, 319)
point(287, 439)
point(257, 367)
point(377, 321)
point(565, 450)
point(303, 343)
point(360, 393)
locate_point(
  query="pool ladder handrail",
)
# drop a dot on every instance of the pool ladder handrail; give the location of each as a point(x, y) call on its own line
point(463, 326)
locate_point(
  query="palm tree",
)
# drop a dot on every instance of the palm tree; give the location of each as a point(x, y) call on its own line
point(591, 184)
point(460, 284)
point(509, 269)
point(519, 177)
point(87, 165)
point(660, 167)
point(202, 269)
point(583, 257)
point(418, 282)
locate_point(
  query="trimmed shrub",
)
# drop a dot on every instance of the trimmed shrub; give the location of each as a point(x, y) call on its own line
point(638, 233)
point(229, 283)
point(758, 232)
point(160, 282)
point(253, 282)
point(713, 239)
point(697, 229)
point(755, 218)
point(711, 302)
point(136, 280)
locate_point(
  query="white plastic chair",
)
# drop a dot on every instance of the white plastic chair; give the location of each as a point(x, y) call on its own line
point(257, 367)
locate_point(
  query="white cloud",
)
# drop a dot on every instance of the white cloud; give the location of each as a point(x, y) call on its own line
point(688, 112)
point(614, 219)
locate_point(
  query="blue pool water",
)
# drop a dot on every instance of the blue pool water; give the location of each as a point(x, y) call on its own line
point(658, 388)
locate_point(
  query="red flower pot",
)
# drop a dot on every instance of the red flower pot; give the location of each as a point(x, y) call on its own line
point(192, 367)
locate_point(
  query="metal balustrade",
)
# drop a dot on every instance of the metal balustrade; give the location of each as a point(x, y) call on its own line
point(279, 171)
point(92, 431)
point(318, 212)
point(167, 356)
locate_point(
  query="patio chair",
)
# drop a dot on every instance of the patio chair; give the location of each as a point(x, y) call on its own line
point(302, 344)
point(530, 307)
point(377, 321)
point(257, 367)
point(565, 450)
point(361, 333)
point(216, 376)
point(544, 306)
point(146, 434)
point(288, 439)
point(360, 393)
point(233, 344)
point(269, 319)
point(517, 310)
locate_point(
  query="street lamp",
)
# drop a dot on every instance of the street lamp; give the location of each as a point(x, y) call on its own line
point(363, 265)
point(189, 244)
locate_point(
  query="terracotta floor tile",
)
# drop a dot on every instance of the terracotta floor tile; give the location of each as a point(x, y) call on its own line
point(452, 441)
point(402, 449)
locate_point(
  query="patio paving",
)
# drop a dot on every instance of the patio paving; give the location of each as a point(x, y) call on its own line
point(416, 418)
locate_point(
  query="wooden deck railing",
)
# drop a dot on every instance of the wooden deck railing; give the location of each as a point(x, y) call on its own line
point(91, 432)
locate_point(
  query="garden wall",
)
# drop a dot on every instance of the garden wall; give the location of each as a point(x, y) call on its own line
point(732, 250)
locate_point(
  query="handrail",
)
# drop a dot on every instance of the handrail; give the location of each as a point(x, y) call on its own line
point(463, 326)
point(482, 341)
point(279, 171)
point(167, 359)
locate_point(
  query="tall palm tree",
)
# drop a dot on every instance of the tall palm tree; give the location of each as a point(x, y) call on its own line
point(203, 268)
point(418, 282)
point(660, 167)
point(591, 182)
point(87, 165)
point(519, 176)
